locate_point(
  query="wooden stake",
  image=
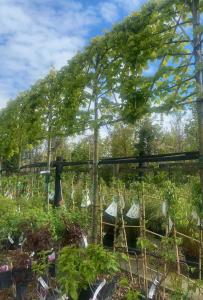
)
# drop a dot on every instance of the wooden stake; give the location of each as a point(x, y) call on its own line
point(165, 263)
point(101, 214)
point(200, 251)
point(177, 250)
point(143, 235)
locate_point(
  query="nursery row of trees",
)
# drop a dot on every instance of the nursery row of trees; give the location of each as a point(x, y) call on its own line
point(151, 62)
point(109, 81)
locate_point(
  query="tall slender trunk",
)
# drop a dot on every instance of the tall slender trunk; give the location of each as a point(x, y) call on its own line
point(95, 211)
point(197, 48)
point(1, 186)
point(199, 80)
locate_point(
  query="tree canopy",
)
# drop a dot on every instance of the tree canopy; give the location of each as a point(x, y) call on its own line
point(144, 64)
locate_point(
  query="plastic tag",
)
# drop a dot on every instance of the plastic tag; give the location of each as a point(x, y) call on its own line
point(170, 223)
point(32, 254)
point(18, 209)
point(86, 199)
point(64, 297)
point(134, 211)
point(43, 283)
point(72, 195)
point(112, 209)
point(21, 239)
point(52, 257)
point(196, 217)
point(102, 284)
point(152, 289)
point(164, 209)
point(51, 196)
point(85, 241)
point(10, 239)
point(4, 268)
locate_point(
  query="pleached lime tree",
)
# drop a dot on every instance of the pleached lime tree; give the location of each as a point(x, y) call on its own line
point(150, 62)
point(17, 132)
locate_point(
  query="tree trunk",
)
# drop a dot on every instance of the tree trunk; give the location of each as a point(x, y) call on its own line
point(197, 48)
point(199, 80)
point(95, 211)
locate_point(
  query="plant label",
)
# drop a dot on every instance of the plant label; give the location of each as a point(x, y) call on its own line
point(32, 254)
point(134, 211)
point(4, 268)
point(10, 239)
point(196, 217)
point(84, 238)
point(86, 199)
point(52, 256)
point(43, 283)
point(164, 208)
point(64, 297)
point(170, 224)
point(102, 284)
point(152, 289)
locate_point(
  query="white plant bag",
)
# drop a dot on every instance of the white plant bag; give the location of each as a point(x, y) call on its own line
point(112, 209)
point(134, 211)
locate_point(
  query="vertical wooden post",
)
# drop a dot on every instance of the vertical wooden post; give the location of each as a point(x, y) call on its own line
point(197, 50)
point(177, 250)
point(165, 263)
point(200, 252)
point(101, 214)
point(143, 235)
point(58, 194)
point(48, 166)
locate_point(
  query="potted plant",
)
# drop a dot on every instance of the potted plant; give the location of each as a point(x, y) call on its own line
point(21, 272)
point(5, 274)
point(77, 268)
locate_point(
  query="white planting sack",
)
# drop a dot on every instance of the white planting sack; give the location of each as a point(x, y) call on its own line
point(112, 209)
point(134, 211)
point(86, 199)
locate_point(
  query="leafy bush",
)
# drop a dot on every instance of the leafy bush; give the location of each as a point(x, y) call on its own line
point(79, 267)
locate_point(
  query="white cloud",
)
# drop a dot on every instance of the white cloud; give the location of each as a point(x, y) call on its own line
point(130, 5)
point(35, 35)
point(109, 12)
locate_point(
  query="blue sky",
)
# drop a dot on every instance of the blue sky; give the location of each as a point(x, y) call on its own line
point(36, 34)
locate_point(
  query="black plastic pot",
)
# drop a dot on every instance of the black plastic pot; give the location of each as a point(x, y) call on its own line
point(193, 266)
point(22, 275)
point(108, 238)
point(21, 289)
point(108, 218)
point(5, 279)
point(52, 270)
